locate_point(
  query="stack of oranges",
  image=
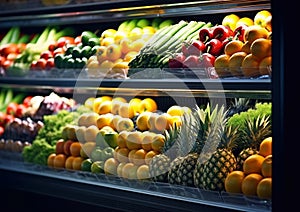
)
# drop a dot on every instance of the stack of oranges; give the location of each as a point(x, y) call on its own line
point(256, 177)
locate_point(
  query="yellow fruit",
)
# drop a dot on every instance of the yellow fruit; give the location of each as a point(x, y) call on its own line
point(150, 154)
point(125, 124)
point(130, 56)
point(158, 142)
point(136, 33)
point(104, 120)
point(121, 154)
point(264, 188)
point(105, 107)
point(120, 67)
point(151, 122)
point(147, 104)
point(89, 102)
point(134, 140)
point(107, 41)
point(175, 110)
point(230, 21)
point(121, 141)
point(250, 183)
point(110, 166)
point(245, 21)
point(261, 48)
point(163, 122)
point(119, 35)
point(120, 168)
point(233, 182)
point(147, 138)
point(143, 172)
point(126, 111)
point(108, 33)
point(261, 17)
point(142, 121)
point(134, 103)
point(129, 171)
point(253, 164)
point(91, 133)
point(139, 157)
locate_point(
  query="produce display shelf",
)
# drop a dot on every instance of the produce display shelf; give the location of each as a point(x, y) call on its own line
point(229, 88)
point(98, 13)
point(102, 189)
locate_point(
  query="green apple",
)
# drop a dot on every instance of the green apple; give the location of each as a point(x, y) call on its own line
point(100, 141)
point(96, 154)
point(143, 22)
point(97, 167)
point(108, 152)
point(111, 139)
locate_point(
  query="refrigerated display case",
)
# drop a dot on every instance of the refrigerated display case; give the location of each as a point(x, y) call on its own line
point(111, 192)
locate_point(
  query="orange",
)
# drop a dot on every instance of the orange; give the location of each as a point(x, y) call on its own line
point(150, 155)
point(134, 140)
point(264, 188)
point(59, 161)
point(77, 163)
point(142, 172)
point(235, 63)
point(246, 47)
point(75, 149)
point(158, 142)
point(265, 147)
point(139, 157)
point(69, 162)
point(121, 154)
point(250, 66)
point(261, 48)
point(264, 66)
point(249, 184)
point(233, 182)
point(254, 32)
point(233, 47)
point(50, 160)
point(253, 164)
point(266, 166)
point(221, 65)
point(147, 104)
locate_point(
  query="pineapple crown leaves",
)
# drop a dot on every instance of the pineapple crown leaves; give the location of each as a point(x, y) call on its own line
point(257, 129)
point(180, 140)
point(216, 128)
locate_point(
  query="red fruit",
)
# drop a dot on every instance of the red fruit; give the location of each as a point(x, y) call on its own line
point(6, 64)
point(59, 147)
point(1, 130)
point(50, 63)
point(52, 46)
point(11, 108)
point(62, 41)
point(206, 60)
point(46, 54)
point(8, 118)
point(41, 64)
point(26, 101)
point(196, 47)
point(20, 110)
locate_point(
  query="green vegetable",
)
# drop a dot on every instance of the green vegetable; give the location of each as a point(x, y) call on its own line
point(9, 35)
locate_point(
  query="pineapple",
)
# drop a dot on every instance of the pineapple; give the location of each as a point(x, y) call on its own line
point(213, 138)
point(222, 161)
point(198, 131)
point(160, 164)
point(256, 131)
point(173, 172)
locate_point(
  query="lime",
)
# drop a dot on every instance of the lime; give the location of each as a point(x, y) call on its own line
point(69, 49)
point(143, 22)
point(86, 165)
point(70, 63)
point(97, 167)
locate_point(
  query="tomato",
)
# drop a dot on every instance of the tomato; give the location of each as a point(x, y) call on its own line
point(8, 118)
point(11, 108)
point(7, 63)
point(62, 41)
point(26, 101)
point(52, 46)
point(2, 118)
point(46, 55)
point(41, 64)
point(20, 110)
point(50, 63)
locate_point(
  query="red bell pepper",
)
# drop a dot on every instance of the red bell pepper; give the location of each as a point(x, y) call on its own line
point(214, 47)
point(177, 61)
point(239, 32)
point(196, 47)
point(205, 34)
point(222, 32)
